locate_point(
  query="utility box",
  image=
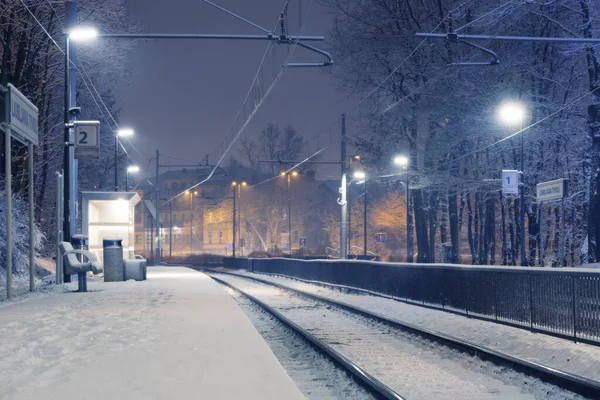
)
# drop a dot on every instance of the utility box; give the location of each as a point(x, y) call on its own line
point(108, 215)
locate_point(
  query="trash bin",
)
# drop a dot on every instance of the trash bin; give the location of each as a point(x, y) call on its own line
point(80, 242)
point(113, 259)
point(446, 253)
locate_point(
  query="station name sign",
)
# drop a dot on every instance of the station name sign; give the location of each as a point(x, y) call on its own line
point(552, 190)
point(22, 117)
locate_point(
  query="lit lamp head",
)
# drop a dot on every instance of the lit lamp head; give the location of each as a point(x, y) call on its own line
point(244, 183)
point(360, 175)
point(401, 161)
point(294, 173)
point(133, 169)
point(282, 173)
point(126, 132)
point(511, 113)
point(82, 34)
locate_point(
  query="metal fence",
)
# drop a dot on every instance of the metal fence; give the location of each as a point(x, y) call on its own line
point(562, 302)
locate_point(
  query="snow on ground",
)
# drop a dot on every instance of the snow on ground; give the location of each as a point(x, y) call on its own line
point(44, 268)
point(314, 374)
point(577, 358)
point(176, 335)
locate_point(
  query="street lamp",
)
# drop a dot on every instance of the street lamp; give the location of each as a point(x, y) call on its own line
point(71, 112)
point(83, 34)
point(132, 169)
point(236, 189)
point(191, 217)
point(239, 213)
point(512, 113)
point(289, 214)
point(361, 177)
point(120, 133)
point(403, 161)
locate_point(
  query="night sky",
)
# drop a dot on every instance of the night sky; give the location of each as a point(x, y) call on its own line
point(183, 95)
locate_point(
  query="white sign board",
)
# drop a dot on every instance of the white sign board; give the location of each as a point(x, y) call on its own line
point(510, 181)
point(87, 140)
point(22, 117)
point(551, 190)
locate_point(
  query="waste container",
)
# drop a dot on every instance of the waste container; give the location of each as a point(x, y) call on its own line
point(446, 253)
point(113, 259)
point(80, 242)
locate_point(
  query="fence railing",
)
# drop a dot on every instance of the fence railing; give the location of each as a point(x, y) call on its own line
point(562, 302)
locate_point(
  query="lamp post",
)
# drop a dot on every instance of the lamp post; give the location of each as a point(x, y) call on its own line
point(132, 169)
point(403, 161)
point(239, 211)
point(191, 218)
point(512, 114)
point(289, 213)
point(118, 134)
point(71, 112)
point(361, 177)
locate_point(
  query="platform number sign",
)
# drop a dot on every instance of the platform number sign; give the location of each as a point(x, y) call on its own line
point(510, 182)
point(87, 140)
point(380, 238)
point(302, 242)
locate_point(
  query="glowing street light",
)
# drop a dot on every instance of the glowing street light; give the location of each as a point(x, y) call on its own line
point(82, 34)
point(512, 113)
point(359, 175)
point(124, 132)
point(132, 169)
point(289, 214)
point(403, 161)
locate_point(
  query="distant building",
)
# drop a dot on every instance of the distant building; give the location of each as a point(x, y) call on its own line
point(200, 220)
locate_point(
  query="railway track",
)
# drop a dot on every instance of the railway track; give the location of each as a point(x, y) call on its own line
point(391, 359)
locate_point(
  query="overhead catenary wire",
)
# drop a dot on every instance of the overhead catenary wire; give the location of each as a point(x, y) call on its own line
point(378, 86)
point(252, 113)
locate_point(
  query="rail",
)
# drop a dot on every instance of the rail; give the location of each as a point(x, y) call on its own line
point(369, 382)
point(561, 302)
point(576, 383)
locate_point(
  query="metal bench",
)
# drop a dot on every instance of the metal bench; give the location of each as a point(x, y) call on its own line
point(73, 265)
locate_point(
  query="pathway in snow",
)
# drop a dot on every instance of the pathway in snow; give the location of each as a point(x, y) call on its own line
point(176, 335)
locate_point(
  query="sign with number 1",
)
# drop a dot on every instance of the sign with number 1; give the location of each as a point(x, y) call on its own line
point(510, 182)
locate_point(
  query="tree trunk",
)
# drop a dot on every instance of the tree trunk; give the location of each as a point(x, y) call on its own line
point(511, 230)
point(421, 227)
point(454, 230)
point(592, 162)
point(444, 219)
point(534, 228)
point(472, 245)
point(489, 236)
point(504, 257)
point(556, 239)
point(433, 214)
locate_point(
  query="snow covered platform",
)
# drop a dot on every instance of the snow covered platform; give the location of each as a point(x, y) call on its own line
point(176, 335)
